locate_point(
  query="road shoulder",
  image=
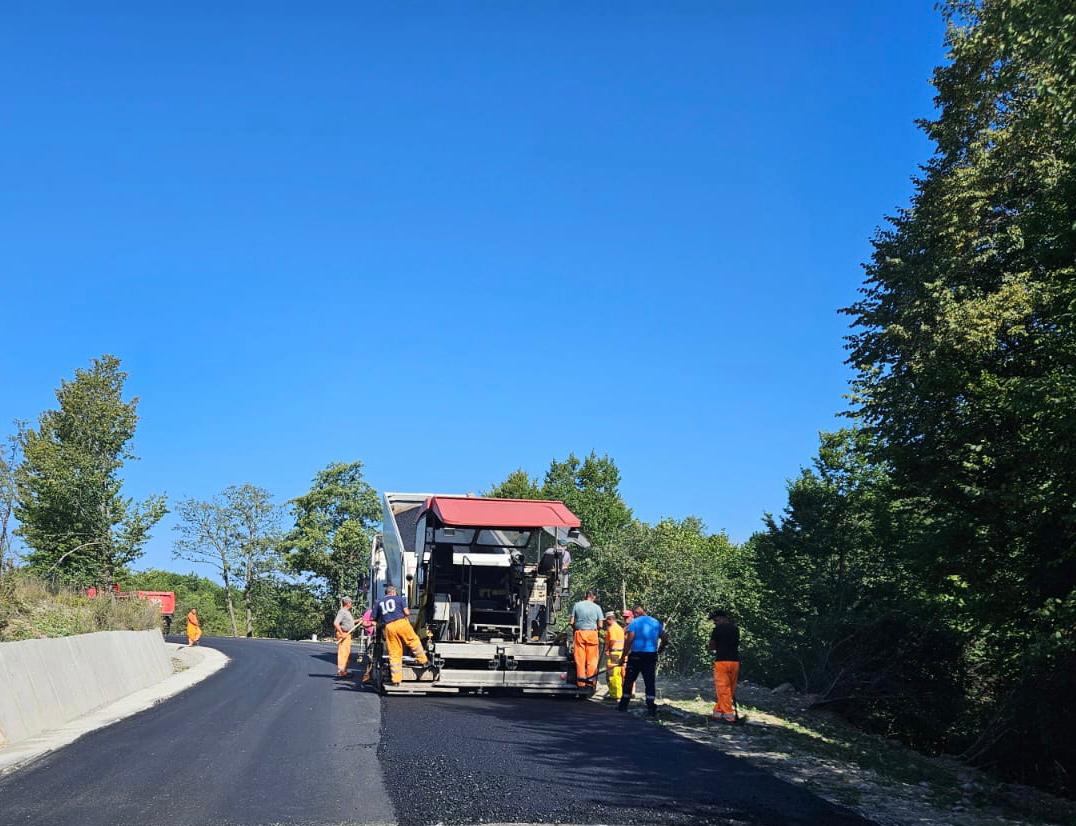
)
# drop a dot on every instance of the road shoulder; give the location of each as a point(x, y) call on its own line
point(878, 778)
point(190, 666)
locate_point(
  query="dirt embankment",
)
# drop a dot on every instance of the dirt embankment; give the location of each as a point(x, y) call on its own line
point(30, 610)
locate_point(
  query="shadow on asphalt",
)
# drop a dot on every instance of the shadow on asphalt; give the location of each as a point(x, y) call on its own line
point(350, 684)
point(539, 759)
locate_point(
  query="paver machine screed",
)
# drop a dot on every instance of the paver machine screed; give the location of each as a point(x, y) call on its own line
point(485, 580)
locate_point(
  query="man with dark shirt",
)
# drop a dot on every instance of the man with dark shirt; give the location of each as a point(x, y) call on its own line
point(725, 646)
point(392, 613)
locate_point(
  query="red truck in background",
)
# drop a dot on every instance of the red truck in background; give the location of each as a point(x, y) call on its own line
point(166, 600)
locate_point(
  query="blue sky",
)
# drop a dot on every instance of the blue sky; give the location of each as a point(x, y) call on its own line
point(454, 239)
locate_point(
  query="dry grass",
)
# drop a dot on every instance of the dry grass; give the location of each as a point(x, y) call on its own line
point(29, 610)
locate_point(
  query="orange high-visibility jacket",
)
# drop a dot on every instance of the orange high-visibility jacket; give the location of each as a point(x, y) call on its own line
point(614, 642)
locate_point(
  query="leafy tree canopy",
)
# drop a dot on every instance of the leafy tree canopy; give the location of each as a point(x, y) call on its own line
point(335, 522)
point(517, 485)
point(964, 343)
point(70, 509)
point(590, 487)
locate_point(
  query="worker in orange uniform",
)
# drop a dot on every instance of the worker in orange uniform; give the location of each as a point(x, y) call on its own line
point(392, 612)
point(614, 650)
point(194, 627)
point(585, 619)
point(724, 645)
point(344, 623)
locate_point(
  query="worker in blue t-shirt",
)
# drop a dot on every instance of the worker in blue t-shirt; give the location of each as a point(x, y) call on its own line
point(392, 612)
point(644, 639)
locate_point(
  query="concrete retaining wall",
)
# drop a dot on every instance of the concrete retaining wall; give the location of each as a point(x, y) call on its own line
point(47, 683)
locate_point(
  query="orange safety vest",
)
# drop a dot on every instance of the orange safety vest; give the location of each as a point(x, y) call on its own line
point(614, 643)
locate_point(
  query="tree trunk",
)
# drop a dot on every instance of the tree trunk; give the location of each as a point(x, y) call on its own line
point(247, 595)
point(228, 599)
point(5, 519)
point(250, 614)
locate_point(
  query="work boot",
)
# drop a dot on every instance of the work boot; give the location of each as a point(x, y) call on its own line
point(651, 710)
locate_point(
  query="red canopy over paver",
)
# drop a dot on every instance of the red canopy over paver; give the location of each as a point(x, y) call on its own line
point(469, 511)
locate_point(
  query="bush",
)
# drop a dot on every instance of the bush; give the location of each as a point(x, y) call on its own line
point(30, 609)
point(897, 675)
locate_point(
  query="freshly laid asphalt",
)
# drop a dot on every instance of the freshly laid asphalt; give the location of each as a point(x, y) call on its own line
point(564, 761)
point(273, 739)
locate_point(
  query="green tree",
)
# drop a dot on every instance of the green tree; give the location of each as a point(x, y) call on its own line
point(207, 537)
point(255, 524)
point(192, 591)
point(964, 342)
point(517, 485)
point(335, 522)
point(590, 487)
point(286, 609)
point(676, 570)
point(840, 610)
point(282, 609)
point(70, 507)
point(9, 461)
point(237, 534)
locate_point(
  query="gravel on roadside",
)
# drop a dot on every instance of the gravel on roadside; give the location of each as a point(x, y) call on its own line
point(880, 779)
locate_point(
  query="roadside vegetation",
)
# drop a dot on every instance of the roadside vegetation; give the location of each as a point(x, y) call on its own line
point(61, 495)
point(879, 777)
point(920, 582)
point(30, 609)
point(922, 579)
point(284, 610)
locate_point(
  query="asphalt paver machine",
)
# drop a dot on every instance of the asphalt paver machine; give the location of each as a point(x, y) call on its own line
point(485, 579)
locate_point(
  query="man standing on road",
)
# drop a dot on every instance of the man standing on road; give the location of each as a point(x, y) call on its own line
point(585, 619)
point(725, 646)
point(614, 649)
point(194, 627)
point(344, 625)
point(392, 612)
point(645, 638)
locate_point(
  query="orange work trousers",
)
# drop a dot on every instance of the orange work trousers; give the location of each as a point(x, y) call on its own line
point(194, 633)
point(343, 652)
point(586, 658)
point(398, 634)
point(726, 673)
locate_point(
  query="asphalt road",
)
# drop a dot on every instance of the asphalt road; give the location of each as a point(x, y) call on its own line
point(566, 761)
point(273, 739)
